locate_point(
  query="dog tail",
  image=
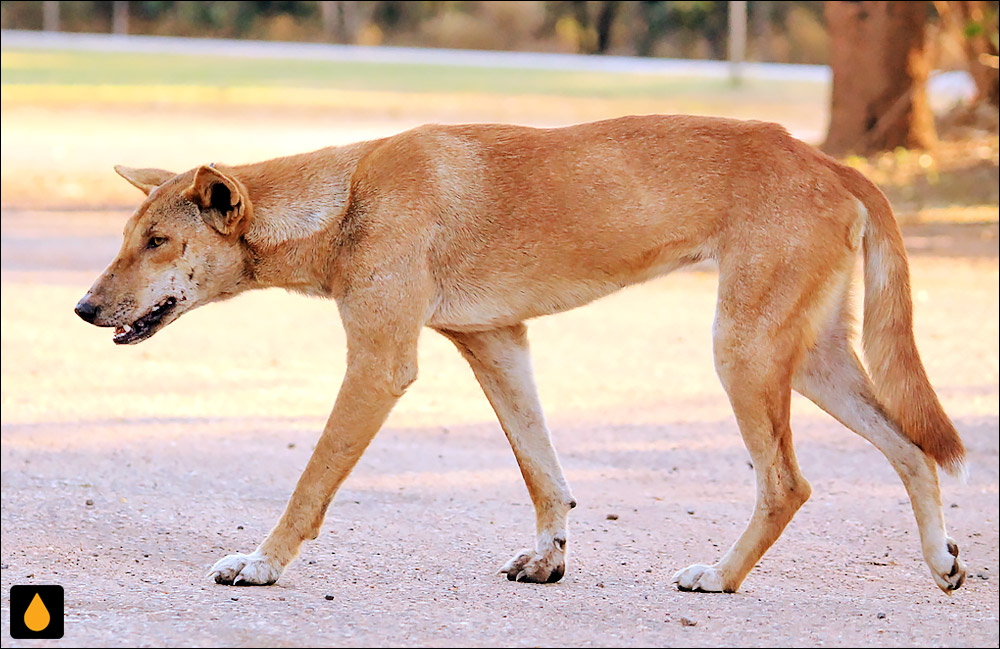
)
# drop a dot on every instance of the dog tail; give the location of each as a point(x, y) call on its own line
point(901, 382)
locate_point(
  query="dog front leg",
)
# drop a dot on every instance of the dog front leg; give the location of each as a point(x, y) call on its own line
point(371, 387)
point(502, 364)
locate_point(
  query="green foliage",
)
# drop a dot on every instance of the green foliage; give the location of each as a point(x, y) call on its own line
point(973, 28)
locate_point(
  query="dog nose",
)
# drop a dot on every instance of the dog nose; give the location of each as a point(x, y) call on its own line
point(87, 311)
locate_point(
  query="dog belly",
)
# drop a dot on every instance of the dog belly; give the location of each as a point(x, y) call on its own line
point(511, 295)
point(459, 310)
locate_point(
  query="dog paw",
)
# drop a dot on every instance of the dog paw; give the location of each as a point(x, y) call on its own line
point(947, 569)
point(245, 570)
point(536, 568)
point(701, 578)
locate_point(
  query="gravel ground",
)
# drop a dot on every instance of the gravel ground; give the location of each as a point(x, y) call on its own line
point(126, 472)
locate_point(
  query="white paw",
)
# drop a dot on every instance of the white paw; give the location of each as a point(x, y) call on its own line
point(535, 567)
point(702, 578)
point(946, 568)
point(245, 569)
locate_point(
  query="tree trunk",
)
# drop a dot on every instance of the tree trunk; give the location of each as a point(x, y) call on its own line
point(877, 52)
point(605, 20)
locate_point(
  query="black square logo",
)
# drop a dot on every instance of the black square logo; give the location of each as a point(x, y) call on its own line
point(36, 612)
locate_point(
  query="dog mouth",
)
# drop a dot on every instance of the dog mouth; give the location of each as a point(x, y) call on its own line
point(145, 326)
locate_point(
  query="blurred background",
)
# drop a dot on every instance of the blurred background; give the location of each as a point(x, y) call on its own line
point(128, 471)
point(858, 79)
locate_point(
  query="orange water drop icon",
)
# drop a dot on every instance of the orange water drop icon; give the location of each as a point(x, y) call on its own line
point(37, 616)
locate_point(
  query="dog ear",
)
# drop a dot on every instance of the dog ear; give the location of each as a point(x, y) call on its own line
point(145, 179)
point(223, 200)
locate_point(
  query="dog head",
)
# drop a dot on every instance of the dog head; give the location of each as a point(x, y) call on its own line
point(182, 248)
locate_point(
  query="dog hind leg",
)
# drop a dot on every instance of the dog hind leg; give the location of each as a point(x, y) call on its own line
point(833, 378)
point(501, 362)
point(764, 320)
point(760, 394)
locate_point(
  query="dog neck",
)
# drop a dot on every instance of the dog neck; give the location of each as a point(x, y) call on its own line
point(298, 206)
point(298, 196)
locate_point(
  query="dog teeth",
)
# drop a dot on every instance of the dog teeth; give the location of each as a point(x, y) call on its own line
point(141, 327)
point(162, 307)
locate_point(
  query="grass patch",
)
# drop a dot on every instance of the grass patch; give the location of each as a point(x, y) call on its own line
point(32, 67)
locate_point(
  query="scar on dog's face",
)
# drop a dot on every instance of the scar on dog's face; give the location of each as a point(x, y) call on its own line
point(181, 250)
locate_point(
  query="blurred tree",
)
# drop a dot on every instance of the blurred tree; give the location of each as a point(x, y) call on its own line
point(761, 27)
point(780, 31)
point(877, 53)
point(684, 23)
point(605, 19)
point(344, 19)
point(587, 24)
point(793, 32)
point(656, 19)
point(975, 25)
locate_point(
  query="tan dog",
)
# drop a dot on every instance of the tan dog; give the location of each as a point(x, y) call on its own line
point(471, 230)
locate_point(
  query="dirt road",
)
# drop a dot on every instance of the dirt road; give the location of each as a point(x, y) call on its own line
point(126, 472)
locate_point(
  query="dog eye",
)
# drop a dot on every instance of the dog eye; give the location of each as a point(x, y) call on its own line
point(156, 242)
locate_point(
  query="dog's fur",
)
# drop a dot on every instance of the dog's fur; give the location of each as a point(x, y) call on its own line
point(471, 230)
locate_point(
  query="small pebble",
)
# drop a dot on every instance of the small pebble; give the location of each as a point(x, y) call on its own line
point(90, 503)
point(291, 444)
point(690, 511)
point(881, 616)
point(688, 622)
point(239, 527)
point(983, 575)
point(612, 517)
point(328, 597)
point(235, 599)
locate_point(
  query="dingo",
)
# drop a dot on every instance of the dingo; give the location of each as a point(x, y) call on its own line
point(471, 230)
